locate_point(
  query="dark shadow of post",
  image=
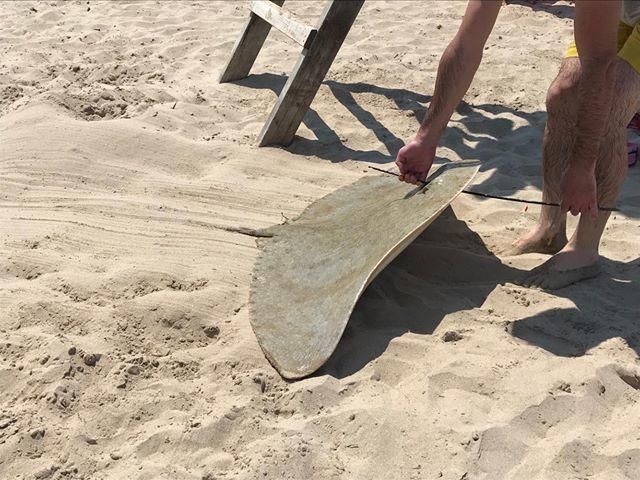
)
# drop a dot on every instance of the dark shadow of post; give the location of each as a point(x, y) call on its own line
point(483, 127)
point(325, 135)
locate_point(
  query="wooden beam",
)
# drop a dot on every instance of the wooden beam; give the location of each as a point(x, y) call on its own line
point(247, 47)
point(309, 72)
point(284, 21)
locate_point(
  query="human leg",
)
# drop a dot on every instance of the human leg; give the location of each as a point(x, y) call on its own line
point(579, 258)
point(549, 234)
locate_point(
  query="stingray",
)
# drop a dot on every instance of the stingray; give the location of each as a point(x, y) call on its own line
point(311, 272)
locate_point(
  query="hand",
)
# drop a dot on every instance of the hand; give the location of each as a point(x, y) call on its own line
point(414, 161)
point(579, 192)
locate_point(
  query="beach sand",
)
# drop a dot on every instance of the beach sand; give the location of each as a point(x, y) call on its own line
point(127, 178)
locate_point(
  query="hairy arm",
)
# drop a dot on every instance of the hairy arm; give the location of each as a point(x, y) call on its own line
point(595, 32)
point(456, 70)
point(458, 65)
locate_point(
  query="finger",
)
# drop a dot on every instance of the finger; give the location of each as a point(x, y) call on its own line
point(401, 177)
point(415, 177)
point(585, 208)
point(574, 210)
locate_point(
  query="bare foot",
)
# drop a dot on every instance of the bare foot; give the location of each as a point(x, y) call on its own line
point(539, 240)
point(564, 268)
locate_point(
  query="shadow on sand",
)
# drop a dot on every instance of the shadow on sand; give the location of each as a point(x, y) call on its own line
point(571, 332)
point(552, 7)
point(429, 280)
point(426, 282)
point(479, 129)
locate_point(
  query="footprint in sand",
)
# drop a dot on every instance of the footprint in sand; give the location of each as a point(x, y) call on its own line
point(519, 449)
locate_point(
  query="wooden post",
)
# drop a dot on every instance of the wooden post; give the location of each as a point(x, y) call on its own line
point(309, 72)
point(247, 47)
point(284, 21)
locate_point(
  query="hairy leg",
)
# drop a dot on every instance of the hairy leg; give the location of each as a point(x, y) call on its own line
point(579, 258)
point(549, 235)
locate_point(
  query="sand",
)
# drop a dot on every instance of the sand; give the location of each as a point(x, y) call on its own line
point(129, 180)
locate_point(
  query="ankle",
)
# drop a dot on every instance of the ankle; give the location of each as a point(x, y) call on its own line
point(575, 246)
point(550, 231)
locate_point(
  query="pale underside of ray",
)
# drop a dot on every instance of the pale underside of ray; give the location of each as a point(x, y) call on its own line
point(311, 273)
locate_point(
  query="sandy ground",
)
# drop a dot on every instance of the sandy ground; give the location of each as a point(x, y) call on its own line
point(126, 349)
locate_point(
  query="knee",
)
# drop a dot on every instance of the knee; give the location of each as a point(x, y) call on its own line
point(561, 96)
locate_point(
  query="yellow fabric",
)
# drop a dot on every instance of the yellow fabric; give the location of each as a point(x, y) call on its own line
point(630, 50)
point(628, 45)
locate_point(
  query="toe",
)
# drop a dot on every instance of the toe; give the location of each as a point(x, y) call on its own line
point(545, 282)
point(531, 279)
point(538, 281)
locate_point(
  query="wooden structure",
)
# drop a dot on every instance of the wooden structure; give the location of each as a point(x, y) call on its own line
point(320, 46)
